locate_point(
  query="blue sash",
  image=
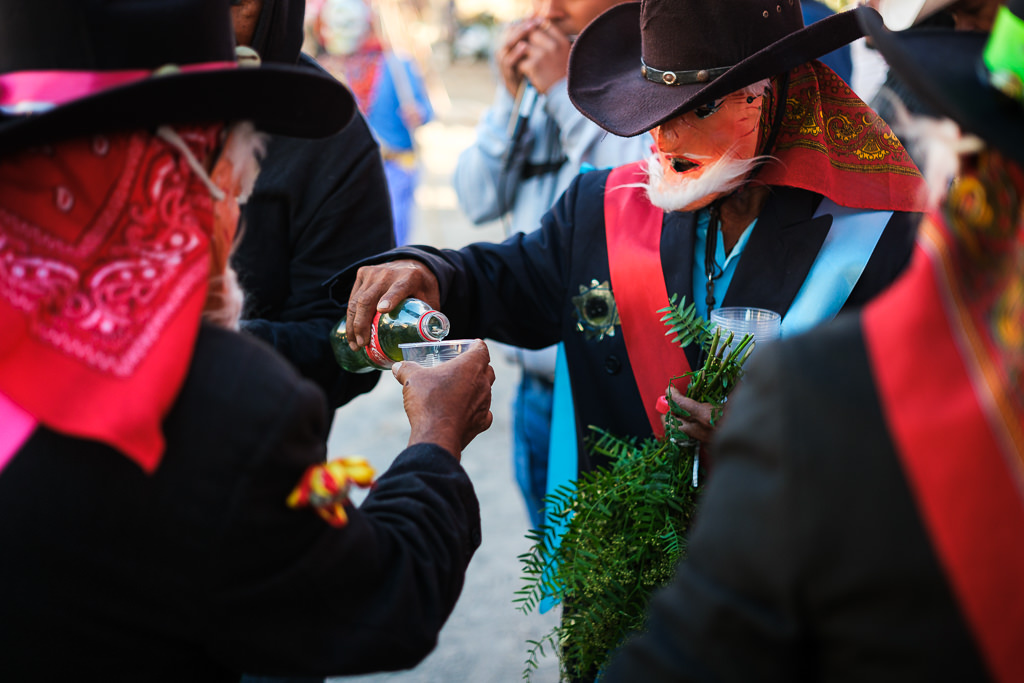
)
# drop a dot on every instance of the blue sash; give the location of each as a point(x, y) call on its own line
point(838, 266)
point(562, 455)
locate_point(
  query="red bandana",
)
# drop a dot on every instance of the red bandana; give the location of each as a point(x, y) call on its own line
point(104, 259)
point(834, 144)
point(947, 348)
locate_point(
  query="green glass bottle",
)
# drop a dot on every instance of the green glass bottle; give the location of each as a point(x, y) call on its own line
point(412, 321)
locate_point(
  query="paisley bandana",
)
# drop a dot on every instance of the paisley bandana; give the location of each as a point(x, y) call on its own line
point(832, 143)
point(104, 259)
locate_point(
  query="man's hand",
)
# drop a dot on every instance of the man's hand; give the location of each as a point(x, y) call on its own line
point(547, 58)
point(449, 404)
point(698, 424)
point(381, 288)
point(410, 115)
point(511, 52)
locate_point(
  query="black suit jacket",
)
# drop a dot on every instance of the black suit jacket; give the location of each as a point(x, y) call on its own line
point(520, 291)
point(808, 560)
point(200, 571)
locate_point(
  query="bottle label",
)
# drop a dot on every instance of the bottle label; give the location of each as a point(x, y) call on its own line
point(374, 350)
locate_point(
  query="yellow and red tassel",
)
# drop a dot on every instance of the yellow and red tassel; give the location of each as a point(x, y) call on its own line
point(325, 487)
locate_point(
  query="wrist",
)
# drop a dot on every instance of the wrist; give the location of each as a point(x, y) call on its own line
point(439, 437)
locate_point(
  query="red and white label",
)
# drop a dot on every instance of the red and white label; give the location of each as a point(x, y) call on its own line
point(374, 350)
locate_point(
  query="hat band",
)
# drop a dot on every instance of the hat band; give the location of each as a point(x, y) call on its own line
point(34, 92)
point(680, 77)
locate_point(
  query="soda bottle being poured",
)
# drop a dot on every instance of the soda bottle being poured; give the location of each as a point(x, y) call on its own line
point(412, 321)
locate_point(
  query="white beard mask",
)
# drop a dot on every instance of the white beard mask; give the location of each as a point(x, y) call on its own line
point(720, 177)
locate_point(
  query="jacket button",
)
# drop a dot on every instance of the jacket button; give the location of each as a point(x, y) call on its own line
point(612, 365)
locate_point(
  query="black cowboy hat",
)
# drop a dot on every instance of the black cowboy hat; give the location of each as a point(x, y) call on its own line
point(946, 70)
point(640, 64)
point(184, 54)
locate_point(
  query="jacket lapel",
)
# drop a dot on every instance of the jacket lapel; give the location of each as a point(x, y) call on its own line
point(678, 233)
point(782, 247)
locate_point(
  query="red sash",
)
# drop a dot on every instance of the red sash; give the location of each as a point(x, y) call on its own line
point(633, 233)
point(960, 443)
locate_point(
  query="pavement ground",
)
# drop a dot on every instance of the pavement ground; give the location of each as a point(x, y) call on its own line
point(484, 641)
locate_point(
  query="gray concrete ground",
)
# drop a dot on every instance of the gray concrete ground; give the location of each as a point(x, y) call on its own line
point(484, 641)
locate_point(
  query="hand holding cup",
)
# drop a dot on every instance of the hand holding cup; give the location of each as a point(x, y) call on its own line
point(448, 405)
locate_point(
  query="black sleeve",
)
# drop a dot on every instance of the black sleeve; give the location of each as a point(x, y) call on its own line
point(318, 206)
point(514, 291)
point(289, 593)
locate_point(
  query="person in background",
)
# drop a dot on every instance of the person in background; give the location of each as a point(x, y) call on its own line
point(872, 533)
point(530, 144)
point(168, 514)
point(317, 205)
point(389, 91)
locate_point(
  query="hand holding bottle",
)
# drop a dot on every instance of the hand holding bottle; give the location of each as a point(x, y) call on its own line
point(380, 288)
point(411, 321)
point(449, 404)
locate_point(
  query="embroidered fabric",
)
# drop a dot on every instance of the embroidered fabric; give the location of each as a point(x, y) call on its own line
point(105, 251)
point(832, 143)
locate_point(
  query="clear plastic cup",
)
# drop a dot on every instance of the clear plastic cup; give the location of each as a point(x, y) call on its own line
point(762, 324)
point(431, 353)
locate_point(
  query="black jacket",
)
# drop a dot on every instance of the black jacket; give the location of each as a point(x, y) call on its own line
point(809, 560)
point(200, 571)
point(318, 206)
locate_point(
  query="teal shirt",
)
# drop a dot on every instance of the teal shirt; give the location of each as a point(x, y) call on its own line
point(726, 263)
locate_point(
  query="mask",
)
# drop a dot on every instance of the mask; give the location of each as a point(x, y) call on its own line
point(344, 25)
point(704, 149)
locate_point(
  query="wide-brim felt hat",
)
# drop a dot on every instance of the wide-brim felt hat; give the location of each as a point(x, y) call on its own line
point(70, 68)
point(945, 69)
point(641, 64)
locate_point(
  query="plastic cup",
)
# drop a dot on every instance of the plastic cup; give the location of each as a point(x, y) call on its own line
point(762, 324)
point(431, 353)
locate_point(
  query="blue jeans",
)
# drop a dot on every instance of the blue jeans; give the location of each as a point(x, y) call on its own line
point(532, 432)
point(402, 190)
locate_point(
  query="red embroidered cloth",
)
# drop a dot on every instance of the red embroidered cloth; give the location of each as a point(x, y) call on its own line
point(832, 143)
point(104, 259)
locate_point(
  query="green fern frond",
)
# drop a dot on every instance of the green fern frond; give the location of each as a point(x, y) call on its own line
point(617, 533)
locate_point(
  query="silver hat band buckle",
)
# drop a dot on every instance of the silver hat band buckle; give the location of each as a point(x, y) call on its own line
point(680, 77)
